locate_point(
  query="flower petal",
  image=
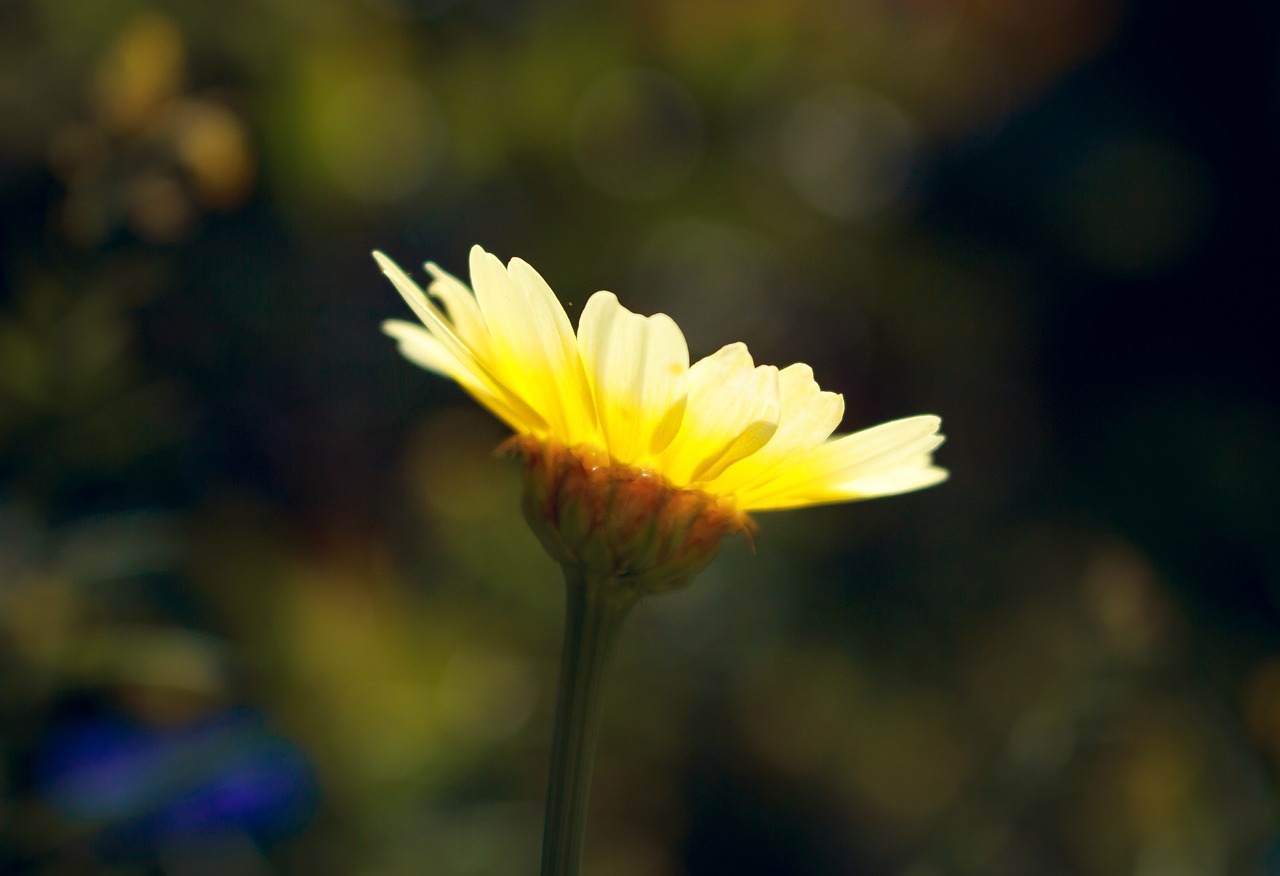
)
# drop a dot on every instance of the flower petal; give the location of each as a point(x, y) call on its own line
point(904, 444)
point(732, 411)
point(422, 348)
point(442, 330)
point(460, 303)
point(903, 479)
point(533, 346)
point(891, 483)
point(637, 368)
point(807, 418)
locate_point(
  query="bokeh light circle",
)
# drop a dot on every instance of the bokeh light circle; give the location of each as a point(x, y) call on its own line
point(847, 152)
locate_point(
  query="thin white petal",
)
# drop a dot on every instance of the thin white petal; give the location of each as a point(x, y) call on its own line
point(420, 347)
point(460, 303)
point(443, 331)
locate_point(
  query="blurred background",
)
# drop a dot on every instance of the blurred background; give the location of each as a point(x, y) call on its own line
point(267, 604)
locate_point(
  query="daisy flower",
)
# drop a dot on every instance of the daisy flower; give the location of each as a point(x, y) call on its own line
point(619, 402)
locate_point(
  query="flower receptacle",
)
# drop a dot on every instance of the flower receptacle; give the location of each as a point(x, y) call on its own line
point(617, 521)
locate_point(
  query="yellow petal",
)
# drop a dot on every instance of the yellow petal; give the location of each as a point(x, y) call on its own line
point(731, 412)
point(559, 345)
point(442, 329)
point(637, 368)
point(460, 303)
point(904, 479)
point(807, 418)
point(900, 444)
point(534, 351)
point(421, 347)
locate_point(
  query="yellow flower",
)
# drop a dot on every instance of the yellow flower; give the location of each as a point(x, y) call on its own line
point(622, 392)
point(637, 463)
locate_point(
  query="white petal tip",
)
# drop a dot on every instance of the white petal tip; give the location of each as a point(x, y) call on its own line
point(904, 480)
point(387, 266)
point(926, 422)
point(398, 328)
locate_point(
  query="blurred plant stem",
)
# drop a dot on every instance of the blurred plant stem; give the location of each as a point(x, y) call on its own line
point(595, 607)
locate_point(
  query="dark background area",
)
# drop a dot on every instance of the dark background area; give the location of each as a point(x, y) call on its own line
point(267, 604)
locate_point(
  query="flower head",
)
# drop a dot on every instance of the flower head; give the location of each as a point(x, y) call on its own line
point(621, 396)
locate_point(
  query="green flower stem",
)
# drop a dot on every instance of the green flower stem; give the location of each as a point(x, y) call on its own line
point(594, 611)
